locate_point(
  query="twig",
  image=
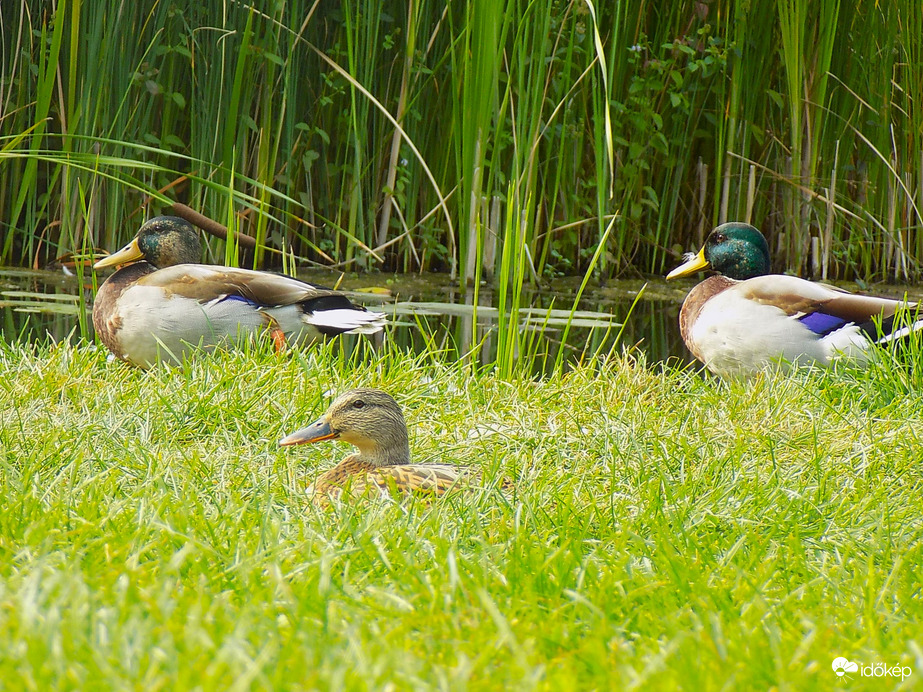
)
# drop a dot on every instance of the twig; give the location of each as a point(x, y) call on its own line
point(210, 226)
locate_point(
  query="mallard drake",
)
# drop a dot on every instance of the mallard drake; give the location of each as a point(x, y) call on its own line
point(164, 304)
point(744, 319)
point(371, 420)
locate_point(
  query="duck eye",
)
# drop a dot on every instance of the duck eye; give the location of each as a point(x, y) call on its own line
point(720, 238)
point(358, 404)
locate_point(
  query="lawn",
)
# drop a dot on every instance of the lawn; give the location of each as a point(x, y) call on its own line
point(667, 530)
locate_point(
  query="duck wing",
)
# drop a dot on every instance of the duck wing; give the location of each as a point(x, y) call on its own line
point(358, 479)
point(206, 283)
point(822, 309)
point(411, 478)
point(286, 302)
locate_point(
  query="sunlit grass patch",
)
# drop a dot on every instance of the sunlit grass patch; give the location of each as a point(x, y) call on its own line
point(666, 529)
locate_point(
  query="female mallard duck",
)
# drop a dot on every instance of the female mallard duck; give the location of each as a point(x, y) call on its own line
point(372, 421)
point(744, 319)
point(164, 304)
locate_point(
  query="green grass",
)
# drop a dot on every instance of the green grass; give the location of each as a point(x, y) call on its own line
point(667, 530)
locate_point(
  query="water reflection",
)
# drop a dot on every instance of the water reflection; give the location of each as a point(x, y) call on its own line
point(36, 305)
point(437, 312)
point(426, 312)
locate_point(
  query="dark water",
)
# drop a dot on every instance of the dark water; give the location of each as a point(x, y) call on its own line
point(425, 311)
point(38, 304)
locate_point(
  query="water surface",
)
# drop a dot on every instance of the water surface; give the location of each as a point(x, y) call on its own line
point(423, 309)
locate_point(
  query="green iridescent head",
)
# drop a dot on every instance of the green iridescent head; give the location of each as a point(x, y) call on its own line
point(736, 250)
point(163, 241)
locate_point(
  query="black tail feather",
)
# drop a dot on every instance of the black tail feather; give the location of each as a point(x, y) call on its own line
point(896, 329)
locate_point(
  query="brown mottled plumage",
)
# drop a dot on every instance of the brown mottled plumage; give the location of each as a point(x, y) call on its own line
point(372, 421)
point(163, 305)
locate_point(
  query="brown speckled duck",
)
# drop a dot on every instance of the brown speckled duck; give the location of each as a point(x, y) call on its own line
point(371, 420)
point(744, 319)
point(164, 304)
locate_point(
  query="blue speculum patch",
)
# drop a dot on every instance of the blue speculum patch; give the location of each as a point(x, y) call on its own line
point(240, 299)
point(821, 323)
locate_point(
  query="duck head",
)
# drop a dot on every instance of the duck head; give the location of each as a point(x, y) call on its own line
point(163, 242)
point(736, 250)
point(368, 419)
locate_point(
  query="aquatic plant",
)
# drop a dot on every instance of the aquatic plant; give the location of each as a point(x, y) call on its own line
point(396, 134)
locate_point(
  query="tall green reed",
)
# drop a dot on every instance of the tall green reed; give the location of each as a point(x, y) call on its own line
point(339, 129)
